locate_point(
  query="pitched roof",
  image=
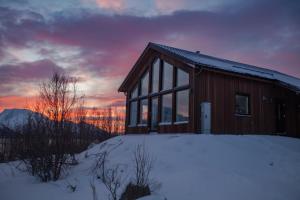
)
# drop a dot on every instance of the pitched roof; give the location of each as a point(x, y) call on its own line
point(201, 60)
point(198, 59)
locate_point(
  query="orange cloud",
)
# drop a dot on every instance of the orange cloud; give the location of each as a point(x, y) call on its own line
point(8, 102)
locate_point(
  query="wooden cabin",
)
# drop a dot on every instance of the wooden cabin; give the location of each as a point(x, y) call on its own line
point(171, 90)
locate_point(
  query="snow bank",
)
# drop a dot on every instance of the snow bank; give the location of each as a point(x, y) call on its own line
point(187, 167)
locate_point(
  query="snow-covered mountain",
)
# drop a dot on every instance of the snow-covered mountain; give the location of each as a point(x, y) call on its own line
point(17, 118)
point(14, 118)
point(186, 167)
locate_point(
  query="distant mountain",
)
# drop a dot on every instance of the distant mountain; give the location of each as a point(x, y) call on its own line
point(14, 118)
point(17, 118)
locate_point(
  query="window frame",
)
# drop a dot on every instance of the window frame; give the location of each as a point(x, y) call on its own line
point(146, 73)
point(172, 109)
point(160, 93)
point(176, 78)
point(130, 114)
point(155, 98)
point(140, 112)
point(249, 104)
point(136, 87)
point(176, 109)
point(152, 76)
point(162, 76)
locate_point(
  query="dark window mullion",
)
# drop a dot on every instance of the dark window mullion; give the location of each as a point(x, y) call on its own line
point(160, 74)
point(159, 117)
point(138, 111)
point(149, 92)
point(150, 78)
point(173, 106)
point(174, 76)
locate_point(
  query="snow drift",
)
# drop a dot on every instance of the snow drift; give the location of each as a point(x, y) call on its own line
point(186, 167)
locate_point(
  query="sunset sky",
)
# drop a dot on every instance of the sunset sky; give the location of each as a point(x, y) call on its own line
point(98, 41)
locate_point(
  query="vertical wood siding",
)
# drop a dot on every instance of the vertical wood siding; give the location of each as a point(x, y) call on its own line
point(220, 89)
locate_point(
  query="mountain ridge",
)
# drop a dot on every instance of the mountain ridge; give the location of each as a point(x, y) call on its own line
point(15, 119)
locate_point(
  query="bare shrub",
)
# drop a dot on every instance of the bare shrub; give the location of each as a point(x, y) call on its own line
point(143, 165)
point(49, 135)
point(111, 176)
point(113, 180)
point(140, 186)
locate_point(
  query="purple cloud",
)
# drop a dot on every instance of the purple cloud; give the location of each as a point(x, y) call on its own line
point(28, 71)
point(114, 42)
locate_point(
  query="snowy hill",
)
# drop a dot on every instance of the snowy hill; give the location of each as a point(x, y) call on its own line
point(189, 167)
point(13, 118)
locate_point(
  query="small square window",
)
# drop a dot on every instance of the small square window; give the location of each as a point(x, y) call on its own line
point(242, 104)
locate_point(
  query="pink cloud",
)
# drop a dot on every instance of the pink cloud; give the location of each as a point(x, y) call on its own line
point(115, 5)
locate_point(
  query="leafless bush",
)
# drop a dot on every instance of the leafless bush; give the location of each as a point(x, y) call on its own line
point(113, 181)
point(49, 135)
point(143, 166)
point(140, 186)
point(111, 176)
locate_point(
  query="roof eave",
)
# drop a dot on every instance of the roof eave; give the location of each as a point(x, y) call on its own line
point(124, 83)
point(159, 49)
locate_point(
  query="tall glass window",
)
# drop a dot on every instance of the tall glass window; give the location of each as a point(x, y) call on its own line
point(167, 76)
point(182, 78)
point(155, 76)
point(166, 111)
point(133, 113)
point(144, 111)
point(145, 84)
point(182, 106)
point(154, 112)
point(134, 92)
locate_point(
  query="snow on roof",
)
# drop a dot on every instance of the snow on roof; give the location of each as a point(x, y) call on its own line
point(196, 58)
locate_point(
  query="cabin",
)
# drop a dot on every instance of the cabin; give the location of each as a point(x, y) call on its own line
point(171, 90)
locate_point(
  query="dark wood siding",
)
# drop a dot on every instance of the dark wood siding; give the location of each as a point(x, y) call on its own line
point(220, 88)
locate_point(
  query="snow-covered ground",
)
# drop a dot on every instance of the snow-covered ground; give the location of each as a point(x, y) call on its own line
point(210, 167)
